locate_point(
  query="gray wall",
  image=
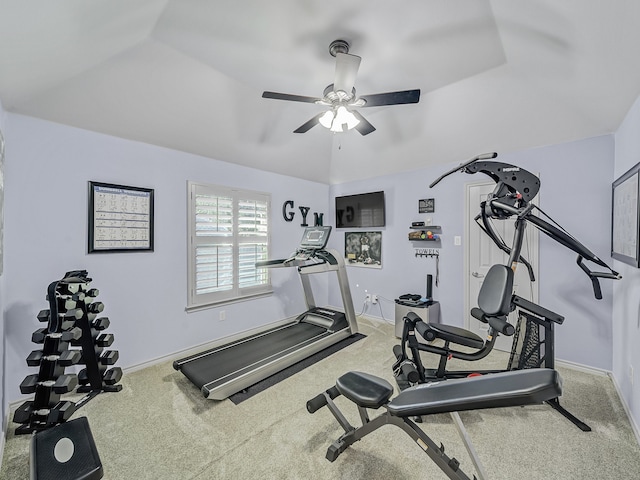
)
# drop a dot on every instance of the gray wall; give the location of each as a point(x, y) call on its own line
point(626, 293)
point(575, 191)
point(48, 169)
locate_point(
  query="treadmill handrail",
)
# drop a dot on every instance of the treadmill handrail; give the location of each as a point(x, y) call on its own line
point(317, 268)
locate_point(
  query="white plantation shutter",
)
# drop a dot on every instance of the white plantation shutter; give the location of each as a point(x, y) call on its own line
point(253, 231)
point(228, 233)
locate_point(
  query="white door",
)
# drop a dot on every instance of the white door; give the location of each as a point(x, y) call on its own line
point(482, 253)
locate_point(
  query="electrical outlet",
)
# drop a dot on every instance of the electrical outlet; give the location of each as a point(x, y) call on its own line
point(223, 315)
point(367, 297)
point(374, 299)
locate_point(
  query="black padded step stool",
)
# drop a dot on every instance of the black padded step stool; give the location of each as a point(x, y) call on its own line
point(65, 452)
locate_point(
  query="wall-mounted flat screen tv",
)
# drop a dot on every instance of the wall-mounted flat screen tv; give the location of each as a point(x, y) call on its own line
point(362, 210)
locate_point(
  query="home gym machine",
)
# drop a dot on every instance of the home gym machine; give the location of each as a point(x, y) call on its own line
point(533, 344)
point(232, 367)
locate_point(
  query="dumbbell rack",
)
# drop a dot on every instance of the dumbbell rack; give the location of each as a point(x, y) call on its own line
point(73, 321)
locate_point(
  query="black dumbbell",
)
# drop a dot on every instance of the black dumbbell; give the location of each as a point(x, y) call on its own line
point(112, 376)
point(93, 292)
point(62, 384)
point(95, 307)
point(83, 378)
point(109, 357)
point(101, 323)
point(67, 336)
point(23, 413)
point(61, 412)
point(71, 315)
point(104, 340)
point(68, 319)
point(71, 288)
point(64, 359)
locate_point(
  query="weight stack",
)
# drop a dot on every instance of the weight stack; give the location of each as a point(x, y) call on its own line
point(65, 452)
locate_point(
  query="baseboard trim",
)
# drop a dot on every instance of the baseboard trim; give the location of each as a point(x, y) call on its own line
point(627, 410)
point(582, 368)
point(5, 429)
point(374, 319)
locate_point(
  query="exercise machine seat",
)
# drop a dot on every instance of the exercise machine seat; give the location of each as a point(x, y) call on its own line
point(449, 333)
point(365, 390)
point(494, 298)
point(506, 389)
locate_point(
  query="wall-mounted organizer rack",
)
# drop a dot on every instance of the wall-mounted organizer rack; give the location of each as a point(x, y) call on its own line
point(425, 233)
point(72, 321)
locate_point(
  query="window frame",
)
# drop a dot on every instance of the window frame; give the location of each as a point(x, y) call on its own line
point(197, 301)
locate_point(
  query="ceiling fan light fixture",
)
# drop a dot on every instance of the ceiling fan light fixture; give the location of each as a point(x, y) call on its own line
point(345, 117)
point(326, 120)
point(338, 119)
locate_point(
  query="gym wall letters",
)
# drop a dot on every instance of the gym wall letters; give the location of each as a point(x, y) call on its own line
point(288, 213)
point(625, 222)
point(120, 218)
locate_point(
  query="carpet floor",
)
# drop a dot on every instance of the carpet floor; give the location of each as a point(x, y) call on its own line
point(160, 427)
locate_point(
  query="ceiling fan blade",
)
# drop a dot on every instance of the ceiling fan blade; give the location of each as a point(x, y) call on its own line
point(346, 71)
point(305, 127)
point(391, 98)
point(364, 127)
point(289, 97)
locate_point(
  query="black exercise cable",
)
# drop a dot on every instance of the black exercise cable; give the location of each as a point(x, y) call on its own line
point(487, 228)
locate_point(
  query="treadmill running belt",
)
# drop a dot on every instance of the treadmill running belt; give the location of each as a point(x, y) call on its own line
point(218, 364)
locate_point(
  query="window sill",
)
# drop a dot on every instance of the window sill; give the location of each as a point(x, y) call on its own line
point(206, 306)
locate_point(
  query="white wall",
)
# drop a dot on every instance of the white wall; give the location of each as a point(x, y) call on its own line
point(626, 307)
point(47, 173)
point(575, 179)
point(3, 401)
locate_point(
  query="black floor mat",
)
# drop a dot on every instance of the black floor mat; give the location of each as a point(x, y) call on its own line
point(295, 368)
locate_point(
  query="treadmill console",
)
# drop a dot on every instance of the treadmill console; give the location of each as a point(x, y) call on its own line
point(315, 238)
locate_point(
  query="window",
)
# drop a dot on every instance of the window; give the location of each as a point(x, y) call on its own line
point(228, 234)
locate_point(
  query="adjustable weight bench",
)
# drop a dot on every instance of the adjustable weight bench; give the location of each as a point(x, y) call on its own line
point(506, 389)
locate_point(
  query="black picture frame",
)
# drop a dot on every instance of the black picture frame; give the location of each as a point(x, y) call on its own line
point(120, 218)
point(427, 205)
point(625, 217)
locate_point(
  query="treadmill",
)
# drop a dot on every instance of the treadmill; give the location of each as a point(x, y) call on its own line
point(232, 367)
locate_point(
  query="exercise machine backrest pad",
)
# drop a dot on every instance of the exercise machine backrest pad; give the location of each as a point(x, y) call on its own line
point(494, 298)
point(506, 389)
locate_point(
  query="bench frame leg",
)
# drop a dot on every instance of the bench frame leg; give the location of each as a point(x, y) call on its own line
point(477, 464)
point(450, 466)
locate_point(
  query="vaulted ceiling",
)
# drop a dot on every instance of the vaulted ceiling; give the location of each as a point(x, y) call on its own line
point(495, 75)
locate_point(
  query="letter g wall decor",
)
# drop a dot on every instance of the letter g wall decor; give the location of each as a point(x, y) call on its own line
point(289, 214)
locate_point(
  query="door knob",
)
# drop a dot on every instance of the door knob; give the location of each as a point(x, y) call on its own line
point(477, 275)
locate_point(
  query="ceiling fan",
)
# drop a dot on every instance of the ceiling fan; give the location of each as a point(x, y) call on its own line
point(340, 96)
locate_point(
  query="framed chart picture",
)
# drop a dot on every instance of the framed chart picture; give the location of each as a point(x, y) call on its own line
point(625, 222)
point(120, 218)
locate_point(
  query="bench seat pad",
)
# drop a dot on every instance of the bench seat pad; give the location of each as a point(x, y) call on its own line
point(364, 389)
point(450, 333)
point(505, 389)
